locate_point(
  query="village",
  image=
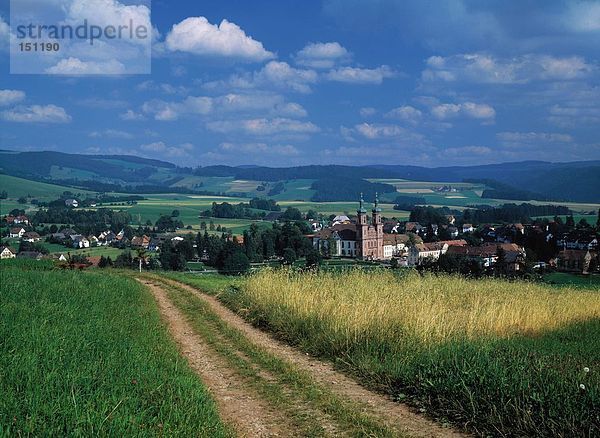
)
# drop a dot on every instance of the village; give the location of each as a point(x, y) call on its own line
point(451, 245)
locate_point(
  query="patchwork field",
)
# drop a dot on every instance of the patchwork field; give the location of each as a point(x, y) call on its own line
point(510, 359)
point(87, 354)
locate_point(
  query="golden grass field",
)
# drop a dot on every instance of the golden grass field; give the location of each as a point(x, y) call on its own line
point(431, 308)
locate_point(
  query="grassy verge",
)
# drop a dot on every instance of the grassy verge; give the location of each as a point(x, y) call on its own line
point(502, 358)
point(86, 354)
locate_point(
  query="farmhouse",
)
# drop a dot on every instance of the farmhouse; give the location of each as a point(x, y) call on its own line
point(6, 252)
point(16, 232)
point(73, 203)
point(578, 260)
point(487, 254)
point(17, 220)
point(31, 236)
point(419, 253)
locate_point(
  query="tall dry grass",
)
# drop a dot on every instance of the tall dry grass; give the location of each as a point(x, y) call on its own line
point(429, 309)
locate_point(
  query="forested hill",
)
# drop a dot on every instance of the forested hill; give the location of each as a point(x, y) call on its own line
point(575, 181)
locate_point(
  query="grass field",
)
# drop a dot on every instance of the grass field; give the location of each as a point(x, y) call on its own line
point(87, 354)
point(17, 187)
point(502, 358)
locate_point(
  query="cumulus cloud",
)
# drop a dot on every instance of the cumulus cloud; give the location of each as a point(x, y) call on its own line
point(259, 148)
point(75, 66)
point(481, 68)
point(274, 75)
point(197, 36)
point(322, 55)
point(111, 133)
point(382, 132)
point(472, 110)
point(406, 113)
point(263, 126)
point(532, 139)
point(10, 97)
point(131, 115)
point(367, 112)
point(160, 148)
point(36, 114)
point(355, 75)
point(269, 103)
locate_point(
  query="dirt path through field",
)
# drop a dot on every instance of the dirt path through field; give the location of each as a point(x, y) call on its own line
point(396, 416)
point(238, 406)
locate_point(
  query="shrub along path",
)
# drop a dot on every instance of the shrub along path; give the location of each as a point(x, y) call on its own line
point(266, 388)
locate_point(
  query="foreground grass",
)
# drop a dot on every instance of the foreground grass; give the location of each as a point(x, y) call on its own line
point(85, 354)
point(502, 358)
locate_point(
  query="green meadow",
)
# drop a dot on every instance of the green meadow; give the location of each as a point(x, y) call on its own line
point(86, 354)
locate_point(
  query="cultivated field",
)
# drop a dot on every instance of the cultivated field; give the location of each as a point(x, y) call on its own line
point(86, 354)
point(502, 358)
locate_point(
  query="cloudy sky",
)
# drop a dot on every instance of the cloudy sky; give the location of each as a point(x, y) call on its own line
point(430, 83)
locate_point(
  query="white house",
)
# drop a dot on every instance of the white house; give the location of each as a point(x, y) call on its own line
point(394, 245)
point(16, 232)
point(80, 241)
point(72, 203)
point(417, 254)
point(31, 237)
point(467, 228)
point(6, 253)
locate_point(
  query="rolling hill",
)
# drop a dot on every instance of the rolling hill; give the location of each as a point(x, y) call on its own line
point(530, 180)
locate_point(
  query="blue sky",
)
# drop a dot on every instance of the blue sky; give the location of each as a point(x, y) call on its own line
point(429, 83)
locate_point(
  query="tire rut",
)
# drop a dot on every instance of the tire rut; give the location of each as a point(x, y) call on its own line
point(248, 414)
point(397, 416)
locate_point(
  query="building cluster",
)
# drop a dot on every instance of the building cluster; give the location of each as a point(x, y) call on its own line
point(414, 244)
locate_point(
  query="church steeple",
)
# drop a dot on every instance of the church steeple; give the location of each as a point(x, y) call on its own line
point(376, 211)
point(362, 212)
point(376, 208)
point(361, 208)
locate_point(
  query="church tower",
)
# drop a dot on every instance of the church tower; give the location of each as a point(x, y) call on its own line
point(369, 236)
point(377, 234)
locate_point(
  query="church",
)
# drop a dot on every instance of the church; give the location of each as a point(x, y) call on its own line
point(362, 239)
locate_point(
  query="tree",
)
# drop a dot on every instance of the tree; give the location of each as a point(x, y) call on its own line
point(394, 263)
point(313, 259)
point(291, 214)
point(3, 194)
point(236, 263)
point(22, 200)
point(598, 221)
point(175, 213)
point(289, 256)
point(500, 265)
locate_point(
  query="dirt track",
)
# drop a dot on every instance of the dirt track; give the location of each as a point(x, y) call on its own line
point(250, 415)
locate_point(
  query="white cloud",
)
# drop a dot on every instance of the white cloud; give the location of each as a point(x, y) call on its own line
point(406, 113)
point(160, 148)
point(232, 103)
point(196, 35)
point(111, 133)
point(36, 114)
point(532, 139)
point(481, 68)
point(9, 97)
point(355, 75)
point(472, 110)
point(263, 126)
point(75, 66)
point(367, 112)
point(131, 115)
point(322, 55)
point(259, 148)
point(162, 87)
point(274, 75)
point(385, 132)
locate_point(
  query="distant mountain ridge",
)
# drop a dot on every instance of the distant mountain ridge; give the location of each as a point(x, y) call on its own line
point(572, 181)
